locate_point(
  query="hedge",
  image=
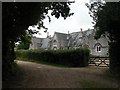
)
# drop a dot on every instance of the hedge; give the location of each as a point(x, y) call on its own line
point(72, 57)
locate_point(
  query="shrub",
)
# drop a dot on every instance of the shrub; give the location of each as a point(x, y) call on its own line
point(72, 57)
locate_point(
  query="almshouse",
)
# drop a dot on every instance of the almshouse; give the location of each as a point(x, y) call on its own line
point(73, 40)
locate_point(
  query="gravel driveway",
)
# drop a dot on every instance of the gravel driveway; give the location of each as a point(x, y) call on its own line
point(45, 76)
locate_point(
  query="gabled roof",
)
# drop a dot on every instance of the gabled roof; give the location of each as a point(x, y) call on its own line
point(88, 32)
point(75, 39)
point(37, 40)
point(45, 43)
point(62, 38)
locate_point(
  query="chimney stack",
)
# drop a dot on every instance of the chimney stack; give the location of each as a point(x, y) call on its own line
point(68, 35)
point(47, 34)
point(68, 32)
point(81, 30)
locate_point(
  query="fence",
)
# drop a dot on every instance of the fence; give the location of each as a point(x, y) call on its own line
point(99, 61)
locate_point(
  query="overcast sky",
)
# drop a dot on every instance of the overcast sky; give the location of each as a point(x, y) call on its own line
point(80, 19)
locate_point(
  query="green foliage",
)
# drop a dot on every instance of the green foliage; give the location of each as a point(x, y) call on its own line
point(17, 17)
point(114, 51)
point(106, 17)
point(107, 22)
point(23, 46)
point(25, 43)
point(76, 58)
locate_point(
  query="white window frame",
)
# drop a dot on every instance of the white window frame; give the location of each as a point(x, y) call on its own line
point(98, 48)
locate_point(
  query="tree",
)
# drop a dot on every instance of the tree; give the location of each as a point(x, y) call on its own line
point(106, 18)
point(17, 17)
point(25, 43)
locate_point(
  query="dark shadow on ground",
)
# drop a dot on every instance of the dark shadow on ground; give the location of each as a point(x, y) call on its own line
point(15, 80)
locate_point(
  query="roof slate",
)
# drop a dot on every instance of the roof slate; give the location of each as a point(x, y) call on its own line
point(62, 38)
point(75, 39)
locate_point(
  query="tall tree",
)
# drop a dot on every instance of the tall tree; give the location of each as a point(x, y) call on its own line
point(106, 18)
point(17, 17)
point(25, 42)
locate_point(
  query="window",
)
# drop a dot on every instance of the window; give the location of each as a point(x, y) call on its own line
point(55, 48)
point(55, 42)
point(98, 48)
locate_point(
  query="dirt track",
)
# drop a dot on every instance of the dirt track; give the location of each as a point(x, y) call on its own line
point(45, 76)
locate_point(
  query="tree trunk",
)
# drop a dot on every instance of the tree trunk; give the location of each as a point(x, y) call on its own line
point(114, 52)
point(7, 59)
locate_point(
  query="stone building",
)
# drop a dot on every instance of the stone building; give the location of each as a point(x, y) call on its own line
point(39, 43)
point(73, 40)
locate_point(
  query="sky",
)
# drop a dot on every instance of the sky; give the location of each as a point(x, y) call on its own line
point(80, 19)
